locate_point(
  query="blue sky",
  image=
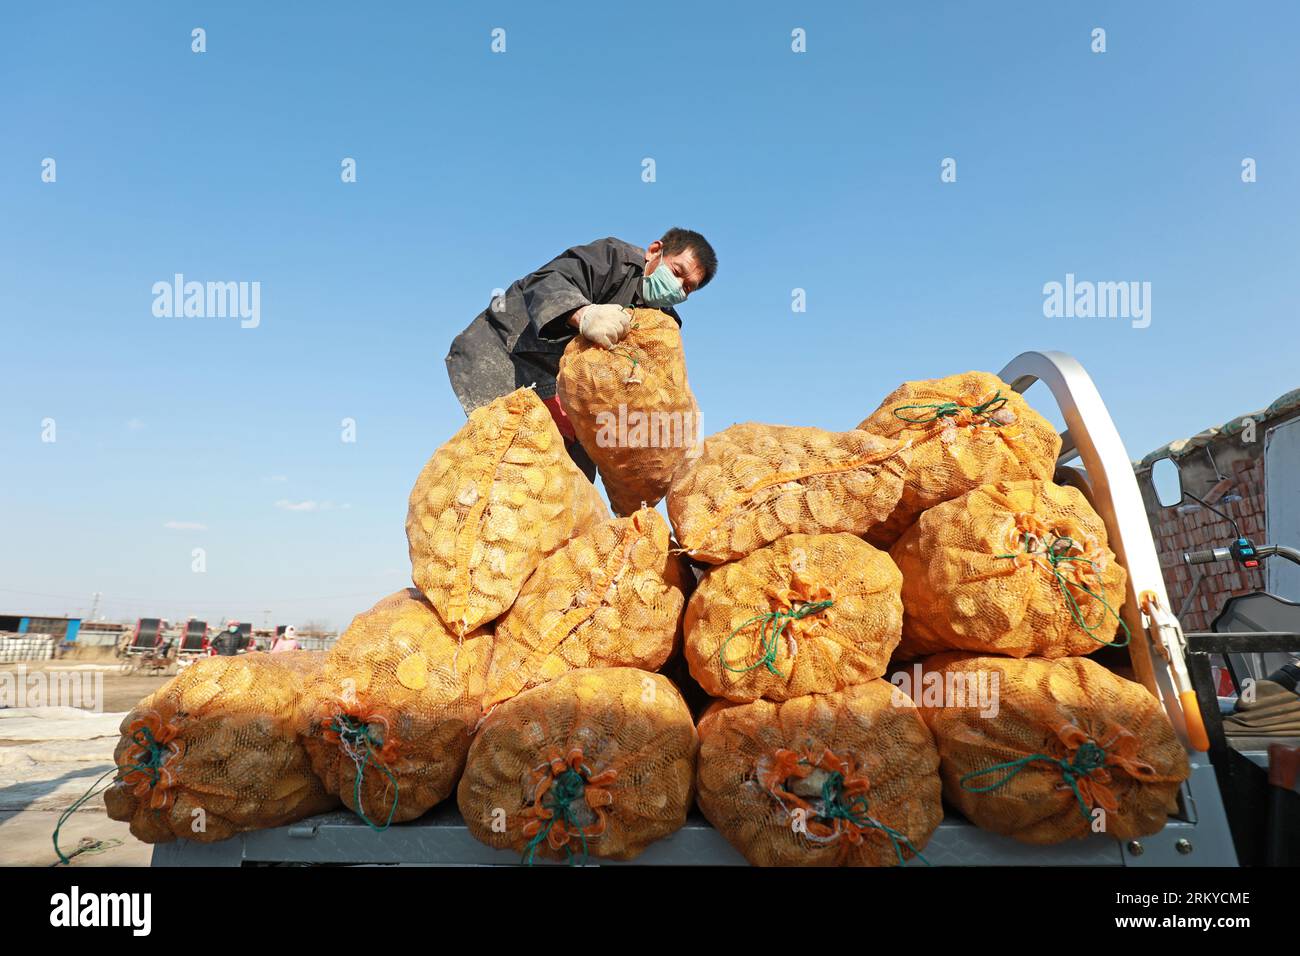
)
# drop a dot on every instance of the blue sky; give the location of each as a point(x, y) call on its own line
point(817, 171)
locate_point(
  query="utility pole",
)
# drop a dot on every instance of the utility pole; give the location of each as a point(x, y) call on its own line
point(94, 604)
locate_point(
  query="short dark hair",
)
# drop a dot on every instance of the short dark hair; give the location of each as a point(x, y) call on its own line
point(679, 240)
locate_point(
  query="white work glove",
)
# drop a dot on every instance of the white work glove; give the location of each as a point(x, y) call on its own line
point(604, 324)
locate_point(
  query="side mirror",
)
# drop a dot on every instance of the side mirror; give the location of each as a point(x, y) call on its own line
point(1167, 481)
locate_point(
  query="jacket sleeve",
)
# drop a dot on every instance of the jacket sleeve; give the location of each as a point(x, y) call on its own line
point(571, 280)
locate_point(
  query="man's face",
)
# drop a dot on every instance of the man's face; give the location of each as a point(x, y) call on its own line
point(683, 265)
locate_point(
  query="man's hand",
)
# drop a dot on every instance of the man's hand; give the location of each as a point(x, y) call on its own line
point(603, 324)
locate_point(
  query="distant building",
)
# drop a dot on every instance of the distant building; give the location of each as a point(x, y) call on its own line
point(63, 628)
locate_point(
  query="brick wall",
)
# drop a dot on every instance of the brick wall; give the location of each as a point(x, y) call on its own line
point(1228, 464)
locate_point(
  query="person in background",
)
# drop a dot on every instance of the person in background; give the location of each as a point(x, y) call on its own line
point(518, 339)
point(229, 642)
point(288, 641)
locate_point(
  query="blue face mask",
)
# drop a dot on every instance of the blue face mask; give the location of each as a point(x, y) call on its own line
point(661, 287)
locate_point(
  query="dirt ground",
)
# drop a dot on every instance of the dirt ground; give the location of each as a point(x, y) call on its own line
point(121, 691)
point(51, 755)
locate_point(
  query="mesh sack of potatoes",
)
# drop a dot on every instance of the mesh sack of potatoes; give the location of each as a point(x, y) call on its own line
point(807, 614)
point(490, 504)
point(1015, 568)
point(754, 483)
point(392, 710)
point(965, 431)
point(598, 762)
point(1047, 750)
point(216, 751)
point(843, 779)
point(632, 408)
point(611, 597)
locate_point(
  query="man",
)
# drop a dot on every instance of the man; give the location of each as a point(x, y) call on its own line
point(229, 642)
point(518, 339)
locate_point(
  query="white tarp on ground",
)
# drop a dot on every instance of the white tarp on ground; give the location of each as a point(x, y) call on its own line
point(64, 750)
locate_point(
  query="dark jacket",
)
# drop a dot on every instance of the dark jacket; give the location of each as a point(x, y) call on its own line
point(228, 643)
point(518, 339)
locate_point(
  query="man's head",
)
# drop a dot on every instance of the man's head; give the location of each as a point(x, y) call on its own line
point(234, 626)
point(687, 255)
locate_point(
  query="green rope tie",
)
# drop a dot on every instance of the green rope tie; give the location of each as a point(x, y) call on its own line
point(152, 765)
point(568, 787)
point(1089, 757)
point(360, 743)
point(773, 626)
point(1057, 555)
point(855, 811)
point(626, 352)
point(938, 410)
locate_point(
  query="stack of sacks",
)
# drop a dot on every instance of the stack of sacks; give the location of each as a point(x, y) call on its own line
point(963, 431)
point(631, 408)
point(581, 750)
point(810, 758)
point(489, 505)
point(506, 532)
point(611, 597)
point(522, 666)
point(391, 712)
point(1039, 743)
point(217, 751)
point(597, 762)
point(1054, 746)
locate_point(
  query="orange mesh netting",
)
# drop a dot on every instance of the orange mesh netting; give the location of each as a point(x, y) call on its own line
point(215, 751)
point(597, 762)
point(632, 408)
point(490, 504)
point(806, 614)
point(1016, 568)
point(843, 779)
point(393, 708)
point(966, 431)
point(611, 597)
point(755, 483)
point(1064, 739)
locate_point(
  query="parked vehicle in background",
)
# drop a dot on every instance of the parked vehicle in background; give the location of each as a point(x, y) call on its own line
point(194, 637)
point(146, 638)
point(146, 650)
point(194, 645)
